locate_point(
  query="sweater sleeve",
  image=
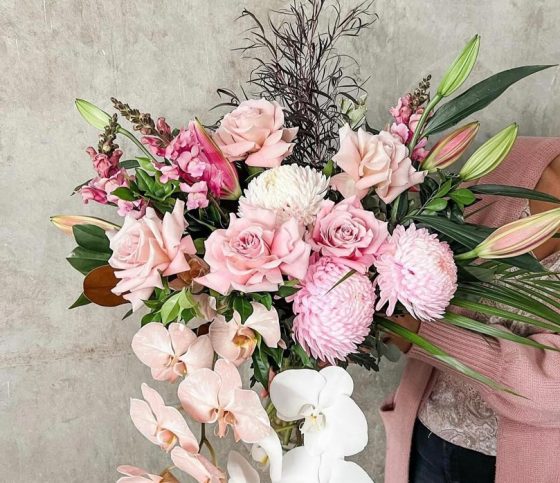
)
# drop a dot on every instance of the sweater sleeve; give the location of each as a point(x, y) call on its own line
point(532, 373)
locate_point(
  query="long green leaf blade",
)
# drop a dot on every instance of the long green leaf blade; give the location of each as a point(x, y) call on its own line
point(478, 97)
point(513, 192)
point(492, 331)
point(439, 354)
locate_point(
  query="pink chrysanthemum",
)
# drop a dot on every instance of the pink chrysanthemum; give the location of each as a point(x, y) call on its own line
point(331, 322)
point(418, 271)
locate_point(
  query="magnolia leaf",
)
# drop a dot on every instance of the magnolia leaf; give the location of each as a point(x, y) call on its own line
point(98, 285)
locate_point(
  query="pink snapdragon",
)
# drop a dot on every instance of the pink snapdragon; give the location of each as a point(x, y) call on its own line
point(406, 119)
point(197, 194)
point(254, 253)
point(217, 397)
point(348, 233)
point(172, 352)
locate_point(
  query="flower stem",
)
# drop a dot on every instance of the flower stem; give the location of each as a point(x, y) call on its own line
point(133, 138)
point(205, 442)
point(420, 126)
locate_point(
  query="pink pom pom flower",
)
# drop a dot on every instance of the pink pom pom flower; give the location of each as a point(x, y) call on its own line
point(331, 322)
point(418, 271)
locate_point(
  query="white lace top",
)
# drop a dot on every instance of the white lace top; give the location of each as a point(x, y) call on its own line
point(456, 412)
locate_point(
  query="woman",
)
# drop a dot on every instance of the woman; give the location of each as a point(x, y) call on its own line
point(444, 428)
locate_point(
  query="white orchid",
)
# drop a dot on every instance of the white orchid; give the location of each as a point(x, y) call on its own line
point(239, 469)
point(302, 467)
point(333, 422)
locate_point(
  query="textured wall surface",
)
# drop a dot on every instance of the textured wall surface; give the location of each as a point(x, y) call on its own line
point(66, 377)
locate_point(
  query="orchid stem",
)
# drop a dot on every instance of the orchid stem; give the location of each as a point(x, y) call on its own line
point(205, 442)
point(133, 138)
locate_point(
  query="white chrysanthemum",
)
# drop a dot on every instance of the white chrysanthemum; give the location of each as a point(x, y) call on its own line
point(290, 190)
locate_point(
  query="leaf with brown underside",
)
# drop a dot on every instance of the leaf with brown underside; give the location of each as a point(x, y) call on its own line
point(98, 284)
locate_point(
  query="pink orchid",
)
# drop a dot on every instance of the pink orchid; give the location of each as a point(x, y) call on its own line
point(173, 352)
point(134, 474)
point(197, 466)
point(162, 425)
point(236, 342)
point(217, 397)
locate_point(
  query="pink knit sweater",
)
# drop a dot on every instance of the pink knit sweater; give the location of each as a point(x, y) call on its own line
point(528, 443)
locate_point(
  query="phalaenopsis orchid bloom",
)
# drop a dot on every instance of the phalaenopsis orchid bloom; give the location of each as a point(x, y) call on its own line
point(173, 352)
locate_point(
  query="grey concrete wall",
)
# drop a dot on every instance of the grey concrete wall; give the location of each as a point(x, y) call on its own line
point(66, 377)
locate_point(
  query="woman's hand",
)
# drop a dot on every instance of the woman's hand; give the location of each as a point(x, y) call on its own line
point(408, 322)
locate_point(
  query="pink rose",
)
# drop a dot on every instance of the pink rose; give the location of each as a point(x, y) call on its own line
point(255, 131)
point(377, 161)
point(254, 253)
point(348, 233)
point(145, 249)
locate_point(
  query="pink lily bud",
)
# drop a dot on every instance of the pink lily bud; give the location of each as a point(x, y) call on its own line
point(66, 222)
point(517, 238)
point(451, 147)
point(230, 189)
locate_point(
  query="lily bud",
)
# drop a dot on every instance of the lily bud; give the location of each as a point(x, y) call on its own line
point(517, 238)
point(489, 156)
point(92, 114)
point(460, 69)
point(450, 148)
point(66, 222)
point(230, 189)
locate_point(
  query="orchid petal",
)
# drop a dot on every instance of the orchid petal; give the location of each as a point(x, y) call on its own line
point(198, 394)
point(239, 469)
point(291, 390)
point(266, 323)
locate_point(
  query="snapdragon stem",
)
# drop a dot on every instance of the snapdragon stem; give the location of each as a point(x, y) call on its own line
point(420, 126)
point(133, 138)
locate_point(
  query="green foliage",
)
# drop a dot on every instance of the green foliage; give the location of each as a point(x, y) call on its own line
point(477, 98)
point(513, 192)
point(80, 302)
point(243, 307)
point(93, 248)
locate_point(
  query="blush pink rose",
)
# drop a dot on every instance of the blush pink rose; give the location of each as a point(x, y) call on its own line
point(254, 253)
point(255, 131)
point(147, 248)
point(378, 161)
point(348, 233)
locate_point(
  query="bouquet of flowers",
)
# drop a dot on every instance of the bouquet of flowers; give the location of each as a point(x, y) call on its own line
point(286, 236)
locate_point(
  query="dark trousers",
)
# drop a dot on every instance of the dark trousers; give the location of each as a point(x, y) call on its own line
point(434, 460)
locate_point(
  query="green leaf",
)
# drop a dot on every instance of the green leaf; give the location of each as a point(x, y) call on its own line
point(477, 307)
point(92, 238)
point(81, 301)
point(436, 205)
point(170, 309)
point(463, 196)
point(492, 330)
point(263, 298)
point(513, 192)
point(444, 188)
point(261, 367)
point(85, 260)
point(438, 354)
point(147, 165)
point(129, 164)
point(328, 170)
point(299, 351)
point(346, 276)
point(125, 194)
point(286, 290)
point(243, 307)
point(145, 181)
point(477, 98)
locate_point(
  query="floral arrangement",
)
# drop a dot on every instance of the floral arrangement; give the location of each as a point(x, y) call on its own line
point(287, 236)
